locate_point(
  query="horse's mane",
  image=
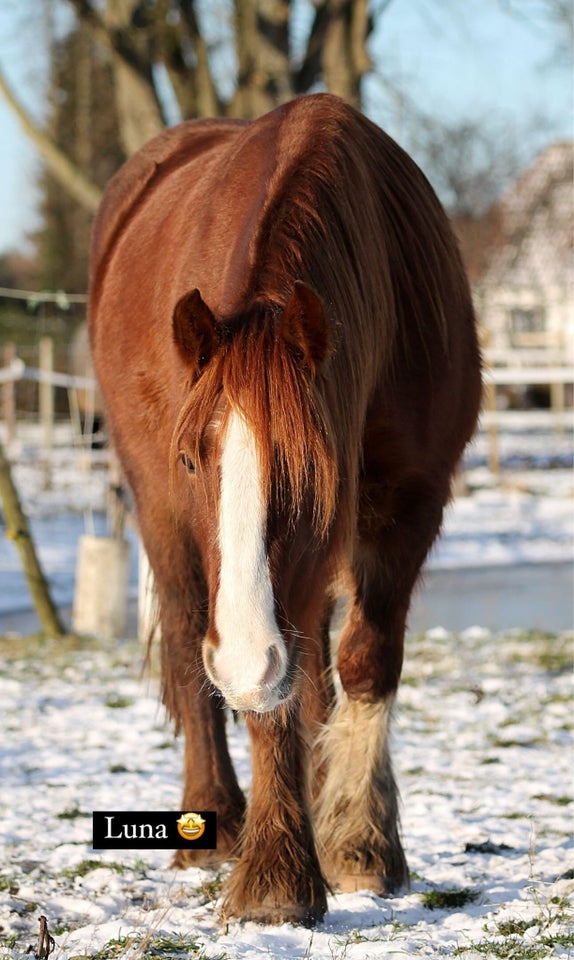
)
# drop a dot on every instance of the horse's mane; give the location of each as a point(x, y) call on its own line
point(348, 212)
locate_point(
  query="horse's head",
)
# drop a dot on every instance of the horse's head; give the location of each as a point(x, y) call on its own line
point(261, 489)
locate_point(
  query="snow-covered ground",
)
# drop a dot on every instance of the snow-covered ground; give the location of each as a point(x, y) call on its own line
point(483, 752)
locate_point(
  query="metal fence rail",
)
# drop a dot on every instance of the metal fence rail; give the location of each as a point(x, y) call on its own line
point(522, 368)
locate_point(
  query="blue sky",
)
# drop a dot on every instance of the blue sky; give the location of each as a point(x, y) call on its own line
point(471, 58)
point(454, 58)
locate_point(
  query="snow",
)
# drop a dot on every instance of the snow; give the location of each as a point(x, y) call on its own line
point(483, 753)
point(483, 739)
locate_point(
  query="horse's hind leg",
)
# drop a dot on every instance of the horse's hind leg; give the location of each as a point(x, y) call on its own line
point(357, 811)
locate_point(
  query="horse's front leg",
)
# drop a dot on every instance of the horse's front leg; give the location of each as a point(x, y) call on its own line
point(210, 782)
point(209, 778)
point(278, 877)
point(356, 812)
point(357, 823)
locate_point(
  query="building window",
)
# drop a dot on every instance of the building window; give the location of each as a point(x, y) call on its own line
point(527, 325)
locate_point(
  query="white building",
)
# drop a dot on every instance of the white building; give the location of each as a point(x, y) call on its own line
point(525, 294)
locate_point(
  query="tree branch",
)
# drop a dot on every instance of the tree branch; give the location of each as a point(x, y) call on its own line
point(19, 532)
point(87, 194)
point(116, 40)
point(128, 59)
point(207, 99)
point(311, 68)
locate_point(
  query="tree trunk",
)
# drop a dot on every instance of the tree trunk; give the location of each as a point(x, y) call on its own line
point(262, 40)
point(18, 530)
point(193, 83)
point(345, 59)
point(139, 112)
point(140, 35)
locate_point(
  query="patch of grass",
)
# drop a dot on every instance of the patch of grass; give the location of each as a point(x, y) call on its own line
point(8, 943)
point(556, 660)
point(509, 928)
point(86, 866)
point(356, 937)
point(509, 940)
point(115, 702)
point(9, 884)
point(550, 652)
point(549, 798)
point(493, 948)
point(451, 899)
point(178, 946)
point(112, 949)
point(210, 890)
point(503, 743)
point(515, 947)
point(71, 814)
point(409, 680)
point(560, 940)
point(163, 946)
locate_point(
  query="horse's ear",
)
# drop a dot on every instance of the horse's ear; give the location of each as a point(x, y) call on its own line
point(194, 330)
point(304, 326)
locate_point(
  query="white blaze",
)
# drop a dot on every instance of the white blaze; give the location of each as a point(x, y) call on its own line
point(244, 608)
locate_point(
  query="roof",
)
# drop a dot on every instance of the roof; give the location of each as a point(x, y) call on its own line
point(534, 245)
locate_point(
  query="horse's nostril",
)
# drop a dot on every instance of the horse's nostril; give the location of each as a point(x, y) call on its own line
point(208, 654)
point(245, 683)
point(273, 665)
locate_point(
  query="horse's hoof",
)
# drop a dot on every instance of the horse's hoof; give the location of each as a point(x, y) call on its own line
point(383, 875)
point(275, 914)
point(184, 859)
point(353, 882)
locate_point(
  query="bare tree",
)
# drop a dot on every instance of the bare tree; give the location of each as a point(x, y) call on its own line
point(167, 39)
point(80, 88)
point(180, 46)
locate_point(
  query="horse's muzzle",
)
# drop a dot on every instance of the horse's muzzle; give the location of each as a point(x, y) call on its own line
point(259, 682)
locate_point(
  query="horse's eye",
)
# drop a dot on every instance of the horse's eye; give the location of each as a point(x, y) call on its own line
point(187, 462)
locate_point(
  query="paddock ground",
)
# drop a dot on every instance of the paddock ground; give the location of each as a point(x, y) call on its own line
point(483, 754)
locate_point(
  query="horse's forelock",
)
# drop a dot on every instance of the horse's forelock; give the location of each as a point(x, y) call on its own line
point(261, 378)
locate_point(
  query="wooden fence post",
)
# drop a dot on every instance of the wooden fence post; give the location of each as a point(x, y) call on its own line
point(46, 404)
point(558, 405)
point(490, 405)
point(9, 396)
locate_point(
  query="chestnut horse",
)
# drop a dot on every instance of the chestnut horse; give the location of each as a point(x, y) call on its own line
point(284, 337)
